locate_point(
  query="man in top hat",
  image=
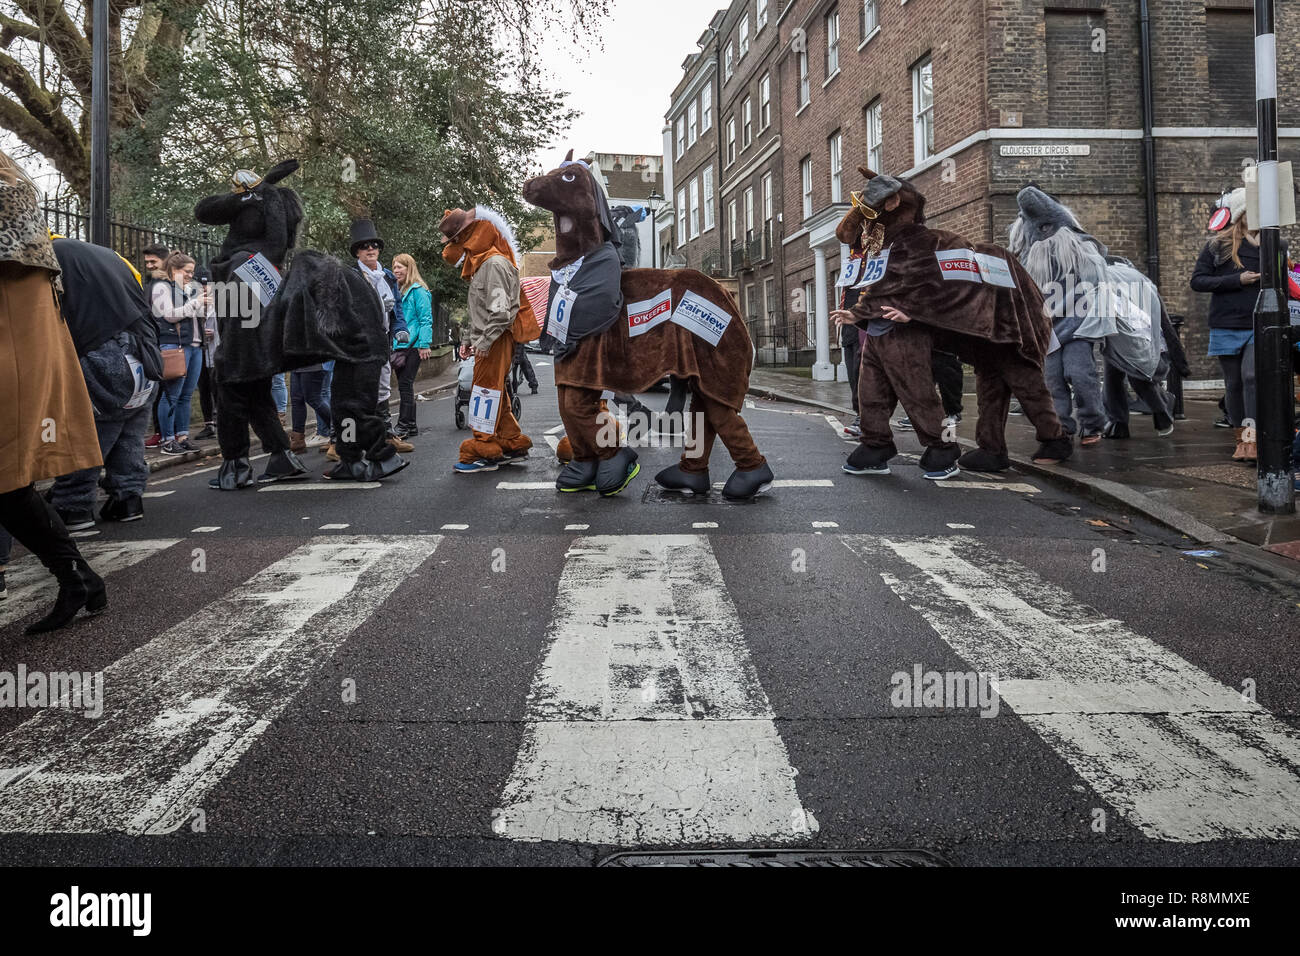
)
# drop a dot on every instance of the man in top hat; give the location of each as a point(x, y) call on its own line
point(365, 247)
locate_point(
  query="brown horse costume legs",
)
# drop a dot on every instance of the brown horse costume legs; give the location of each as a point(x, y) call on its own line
point(580, 410)
point(490, 372)
point(999, 374)
point(720, 421)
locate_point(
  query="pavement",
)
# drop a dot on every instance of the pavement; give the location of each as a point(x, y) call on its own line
point(1185, 481)
point(475, 669)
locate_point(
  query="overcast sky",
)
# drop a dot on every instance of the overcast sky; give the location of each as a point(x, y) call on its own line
point(622, 90)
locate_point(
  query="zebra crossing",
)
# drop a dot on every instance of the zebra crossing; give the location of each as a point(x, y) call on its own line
point(648, 720)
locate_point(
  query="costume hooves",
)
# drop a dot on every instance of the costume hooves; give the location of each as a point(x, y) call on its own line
point(1054, 451)
point(130, 508)
point(564, 450)
point(867, 460)
point(513, 457)
point(577, 476)
point(687, 482)
point(235, 473)
point(347, 471)
point(981, 459)
point(1115, 430)
point(746, 484)
point(283, 466)
point(616, 473)
point(379, 470)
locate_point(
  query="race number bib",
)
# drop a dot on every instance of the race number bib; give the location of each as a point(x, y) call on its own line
point(484, 407)
point(873, 269)
point(851, 274)
point(143, 390)
point(557, 322)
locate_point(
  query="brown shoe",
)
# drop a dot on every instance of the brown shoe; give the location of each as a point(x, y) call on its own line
point(402, 447)
point(1239, 453)
point(330, 453)
point(297, 442)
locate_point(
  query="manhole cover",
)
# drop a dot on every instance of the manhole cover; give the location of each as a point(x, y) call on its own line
point(872, 858)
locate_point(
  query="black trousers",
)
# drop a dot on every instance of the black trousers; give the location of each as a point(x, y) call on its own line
point(946, 369)
point(406, 391)
point(521, 359)
point(37, 527)
point(241, 404)
point(851, 346)
point(207, 397)
point(354, 400)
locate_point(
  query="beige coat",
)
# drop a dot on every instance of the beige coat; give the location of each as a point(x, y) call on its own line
point(493, 303)
point(47, 427)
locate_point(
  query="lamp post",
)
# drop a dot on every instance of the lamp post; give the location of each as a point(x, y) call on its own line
point(99, 125)
point(654, 201)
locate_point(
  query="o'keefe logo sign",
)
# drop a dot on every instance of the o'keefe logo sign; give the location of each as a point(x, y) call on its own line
point(967, 265)
point(645, 315)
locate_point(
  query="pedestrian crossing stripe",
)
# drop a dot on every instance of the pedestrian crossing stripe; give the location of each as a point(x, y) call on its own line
point(1015, 487)
point(182, 709)
point(1182, 756)
point(32, 588)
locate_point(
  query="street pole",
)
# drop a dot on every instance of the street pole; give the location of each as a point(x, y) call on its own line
point(1275, 402)
point(99, 232)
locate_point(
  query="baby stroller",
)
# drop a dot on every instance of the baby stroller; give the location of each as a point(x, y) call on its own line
point(465, 383)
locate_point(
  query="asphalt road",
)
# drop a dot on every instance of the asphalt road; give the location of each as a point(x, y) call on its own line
point(442, 670)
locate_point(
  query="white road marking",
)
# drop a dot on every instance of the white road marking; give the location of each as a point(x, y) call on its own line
point(704, 524)
point(838, 427)
point(647, 723)
point(334, 527)
point(205, 529)
point(803, 483)
point(321, 486)
point(749, 403)
point(525, 486)
point(157, 494)
point(553, 442)
point(455, 527)
point(576, 527)
point(960, 527)
point(1180, 755)
point(31, 587)
point(556, 430)
point(1017, 487)
point(181, 710)
point(88, 533)
point(825, 524)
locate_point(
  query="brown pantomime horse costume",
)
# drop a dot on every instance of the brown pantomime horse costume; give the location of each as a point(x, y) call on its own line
point(976, 298)
point(599, 353)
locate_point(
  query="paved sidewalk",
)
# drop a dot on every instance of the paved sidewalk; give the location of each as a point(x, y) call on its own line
point(1186, 481)
point(157, 461)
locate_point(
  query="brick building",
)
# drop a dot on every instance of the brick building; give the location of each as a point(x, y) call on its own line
point(972, 100)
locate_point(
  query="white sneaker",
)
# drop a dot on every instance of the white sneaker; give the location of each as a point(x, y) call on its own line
point(317, 439)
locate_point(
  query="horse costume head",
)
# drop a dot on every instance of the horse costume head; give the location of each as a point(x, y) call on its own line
point(262, 217)
point(886, 202)
point(582, 218)
point(1049, 242)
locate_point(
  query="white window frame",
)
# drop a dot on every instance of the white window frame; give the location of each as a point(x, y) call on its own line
point(806, 185)
point(765, 102)
point(922, 112)
point(681, 136)
point(681, 217)
point(708, 197)
point(692, 124)
point(768, 210)
point(747, 124)
point(731, 222)
point(875, 123)
point(744, 35)
point(731, 140)
point(751, 304)
point(747, 203)
point(695, 208)
point(868, 19)
point(706, 108)
point(835, 146)
point(832, 23)
point(810, 310)
point(769, 303)
point(728, 62)
point(761, 15)
point(804, 85)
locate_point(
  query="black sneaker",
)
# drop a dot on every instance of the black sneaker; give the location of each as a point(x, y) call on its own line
point(1222, 422)
point(904, 424)
point(171, 447)
point(1015, 409)
point(207, 433)
point(186, 445)
point(76, 520)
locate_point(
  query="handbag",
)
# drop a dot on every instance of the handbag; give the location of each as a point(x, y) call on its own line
point(173, 364)
point(397, 359)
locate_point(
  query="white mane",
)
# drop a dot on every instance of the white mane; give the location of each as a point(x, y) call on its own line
point(488, 214)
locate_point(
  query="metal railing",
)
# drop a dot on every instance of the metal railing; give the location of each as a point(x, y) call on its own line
point(66, 217)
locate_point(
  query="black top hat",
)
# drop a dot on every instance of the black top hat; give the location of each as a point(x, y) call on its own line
point(363, 230)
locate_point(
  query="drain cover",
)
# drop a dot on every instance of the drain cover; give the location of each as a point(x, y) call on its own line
point(873, 858)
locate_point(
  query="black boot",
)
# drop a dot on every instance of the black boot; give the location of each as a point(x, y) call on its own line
point(283, 466)
point(577, 476)
point(981, 459)
point(235, 473)
point(79, 587)
point(747, 484)
point(378, 470)
point(687, 482)
point(1115, 430)
point(347, 471)
point(616, 473)
point(868, 460)
point(130, 508)
point(1054, 451)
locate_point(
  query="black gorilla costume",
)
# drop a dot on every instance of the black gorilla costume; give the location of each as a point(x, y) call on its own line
point(322, 312)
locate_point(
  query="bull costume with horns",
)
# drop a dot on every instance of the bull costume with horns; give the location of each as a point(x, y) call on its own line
point(321, 312)
point(978, 302)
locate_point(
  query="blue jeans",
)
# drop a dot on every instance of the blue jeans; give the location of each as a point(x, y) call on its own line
point(174, 406)
point(307, 391)
point(279, 392)
point(121, 442)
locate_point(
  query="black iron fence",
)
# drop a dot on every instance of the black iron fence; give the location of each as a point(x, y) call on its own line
point(67, 217)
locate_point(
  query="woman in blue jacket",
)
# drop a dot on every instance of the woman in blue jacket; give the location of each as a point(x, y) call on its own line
point(417, 310)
